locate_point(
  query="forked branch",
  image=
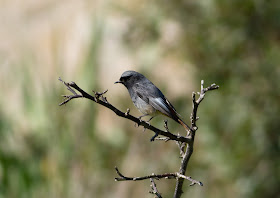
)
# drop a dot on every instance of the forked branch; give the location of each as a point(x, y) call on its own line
point(189, 150)
point(185, 143)
point(156, 176)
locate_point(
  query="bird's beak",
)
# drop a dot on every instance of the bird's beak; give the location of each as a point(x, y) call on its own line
point(118, 82)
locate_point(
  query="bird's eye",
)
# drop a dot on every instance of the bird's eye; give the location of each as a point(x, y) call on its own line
point(125, 78)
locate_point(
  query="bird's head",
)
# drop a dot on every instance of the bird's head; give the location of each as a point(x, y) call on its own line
point(128, 78)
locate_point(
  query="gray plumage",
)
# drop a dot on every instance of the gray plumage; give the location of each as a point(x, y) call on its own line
point(147, 97)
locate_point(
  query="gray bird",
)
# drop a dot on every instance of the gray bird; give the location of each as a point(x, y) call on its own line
point(147, 97)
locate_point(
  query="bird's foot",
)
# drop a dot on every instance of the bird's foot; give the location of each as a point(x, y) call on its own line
point(148, 121)
point(137, 124)
point(140, 120)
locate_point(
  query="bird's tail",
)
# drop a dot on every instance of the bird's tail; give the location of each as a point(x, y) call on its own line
point(184, 125)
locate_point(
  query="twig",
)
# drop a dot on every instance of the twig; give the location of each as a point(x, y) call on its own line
point(166, 125)
point(100, 99)
point(166, 139)
point(203, 90)
point(156, 176)
point(189, 150)
point(190, 179)
point(181, 146)
point(154, 189)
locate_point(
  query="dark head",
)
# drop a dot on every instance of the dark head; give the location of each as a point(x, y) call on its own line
point(128, 78)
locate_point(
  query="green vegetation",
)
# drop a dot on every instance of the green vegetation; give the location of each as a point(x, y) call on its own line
point(71, 151)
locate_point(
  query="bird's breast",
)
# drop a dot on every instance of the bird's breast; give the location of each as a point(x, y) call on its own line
point(144, 107)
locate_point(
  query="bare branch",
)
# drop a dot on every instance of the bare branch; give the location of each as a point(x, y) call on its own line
point(166, 126)
point(100, 99)
point(154, 189)
point(166, 139)
point(156, 176)
point(189, 150)
point(181, 146)
point(190, 179)
point(202, 92)
point(185, 143)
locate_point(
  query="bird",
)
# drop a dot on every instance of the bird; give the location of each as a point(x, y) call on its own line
point(147, 98)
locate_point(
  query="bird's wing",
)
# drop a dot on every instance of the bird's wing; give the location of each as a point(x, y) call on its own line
point(153, 96)
point(165, 107)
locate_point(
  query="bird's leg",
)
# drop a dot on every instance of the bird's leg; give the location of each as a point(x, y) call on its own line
point(148, 122)
point(137, 125)
point(142, 116)
point(150, 118)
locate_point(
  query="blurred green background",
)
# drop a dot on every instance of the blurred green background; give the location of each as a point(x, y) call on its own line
point(71, 151)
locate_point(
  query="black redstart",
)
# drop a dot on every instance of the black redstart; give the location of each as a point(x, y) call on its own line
point(147, 97)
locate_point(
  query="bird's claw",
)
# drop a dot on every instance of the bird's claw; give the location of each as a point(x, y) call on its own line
point(147, 122)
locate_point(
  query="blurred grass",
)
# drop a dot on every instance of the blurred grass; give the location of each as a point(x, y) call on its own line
point(71, 151)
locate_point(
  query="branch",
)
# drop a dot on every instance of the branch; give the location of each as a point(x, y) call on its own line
point(203, 90)
point(100, 99)
point(189, 150)
point(154, 189)
point(156, 176)
point(184, 143)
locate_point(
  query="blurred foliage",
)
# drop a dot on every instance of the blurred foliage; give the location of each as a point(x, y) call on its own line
point(71, 151)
